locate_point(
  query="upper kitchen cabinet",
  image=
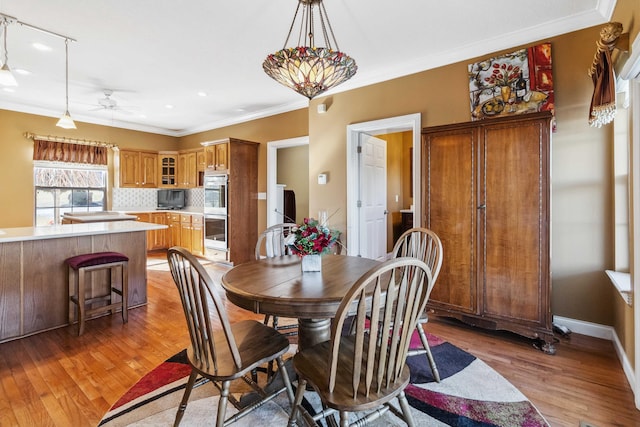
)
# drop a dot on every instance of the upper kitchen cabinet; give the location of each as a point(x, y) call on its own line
point(168, 164)
point(188, 169)
point(138, 169)
point(216, 154)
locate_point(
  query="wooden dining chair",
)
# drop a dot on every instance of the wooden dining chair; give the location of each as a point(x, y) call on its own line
point(423, 244)
point(226, 354)
point(270, 244)
point(366, 369)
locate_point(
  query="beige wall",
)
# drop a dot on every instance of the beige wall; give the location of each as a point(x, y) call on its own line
point(293, 171)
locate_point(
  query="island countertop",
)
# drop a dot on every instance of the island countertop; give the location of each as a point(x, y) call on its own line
point(21, 234)
point(34, 284)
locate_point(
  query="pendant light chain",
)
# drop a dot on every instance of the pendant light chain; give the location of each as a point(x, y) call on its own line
point(66, 75)
point(4, 41)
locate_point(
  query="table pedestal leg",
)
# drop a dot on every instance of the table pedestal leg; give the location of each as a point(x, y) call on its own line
point(313, 331)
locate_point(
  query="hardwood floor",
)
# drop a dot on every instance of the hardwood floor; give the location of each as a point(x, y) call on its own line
point(58, 379)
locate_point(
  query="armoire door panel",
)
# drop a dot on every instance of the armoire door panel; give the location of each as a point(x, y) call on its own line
point(512, 229)
point(451, 199)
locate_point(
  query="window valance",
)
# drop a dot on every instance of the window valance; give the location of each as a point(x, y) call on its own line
point(68, 150)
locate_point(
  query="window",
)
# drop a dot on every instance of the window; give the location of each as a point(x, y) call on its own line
point(67, 187)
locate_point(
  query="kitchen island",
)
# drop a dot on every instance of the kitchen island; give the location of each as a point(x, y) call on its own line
point(34, 289)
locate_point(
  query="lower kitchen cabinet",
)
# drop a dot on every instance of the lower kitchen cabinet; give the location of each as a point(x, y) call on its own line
point(156, 239)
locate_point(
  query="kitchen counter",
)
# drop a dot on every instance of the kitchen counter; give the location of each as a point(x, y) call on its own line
point(103, 216)
point(20, 234)
point(34, 288)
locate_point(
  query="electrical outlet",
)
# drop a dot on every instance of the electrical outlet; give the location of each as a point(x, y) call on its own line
point(587, 424)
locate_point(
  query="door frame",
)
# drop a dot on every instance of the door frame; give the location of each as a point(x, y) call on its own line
point(409, 122)
point(272, 172)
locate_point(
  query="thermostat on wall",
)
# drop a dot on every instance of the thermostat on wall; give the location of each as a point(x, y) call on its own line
point(322, 178)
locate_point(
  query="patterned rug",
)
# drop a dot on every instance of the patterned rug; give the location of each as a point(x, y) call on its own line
point(470, 394)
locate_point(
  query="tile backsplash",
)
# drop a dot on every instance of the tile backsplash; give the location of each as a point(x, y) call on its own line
point(147, 198)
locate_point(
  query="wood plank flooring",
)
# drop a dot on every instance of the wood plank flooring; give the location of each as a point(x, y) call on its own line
point(58, 379)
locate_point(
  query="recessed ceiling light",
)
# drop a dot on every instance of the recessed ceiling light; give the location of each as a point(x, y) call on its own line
point(8, 89)
point(142, 116)
point(21, 71)
point(169, 106)
point(202, 94)
point(42, 47)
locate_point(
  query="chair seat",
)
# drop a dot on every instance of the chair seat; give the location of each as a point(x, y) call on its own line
point(256, 343)
point(98, 258)
point(313, 364)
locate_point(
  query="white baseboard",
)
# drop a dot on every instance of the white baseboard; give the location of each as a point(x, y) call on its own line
point(605, 332)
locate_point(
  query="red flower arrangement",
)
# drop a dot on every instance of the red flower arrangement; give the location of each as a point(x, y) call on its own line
point(311, 238)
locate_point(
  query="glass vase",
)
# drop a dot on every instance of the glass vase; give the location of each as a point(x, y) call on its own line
point(311, 263)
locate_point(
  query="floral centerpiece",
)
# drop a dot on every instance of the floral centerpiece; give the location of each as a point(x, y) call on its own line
point(311, 238)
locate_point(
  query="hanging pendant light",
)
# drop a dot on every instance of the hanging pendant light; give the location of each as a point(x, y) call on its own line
point(6, 76)
point(308, 69)
point(66, 122)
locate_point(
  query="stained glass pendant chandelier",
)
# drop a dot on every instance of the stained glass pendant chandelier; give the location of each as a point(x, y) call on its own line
point(308, 69)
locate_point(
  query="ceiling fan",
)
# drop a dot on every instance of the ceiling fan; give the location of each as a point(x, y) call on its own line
point(109, 104)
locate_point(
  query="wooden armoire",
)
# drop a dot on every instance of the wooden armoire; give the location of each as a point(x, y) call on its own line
point(486, 193)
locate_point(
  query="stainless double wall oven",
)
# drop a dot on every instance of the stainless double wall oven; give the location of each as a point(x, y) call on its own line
point(215, 210)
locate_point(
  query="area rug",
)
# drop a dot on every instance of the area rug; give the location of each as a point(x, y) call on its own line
point(470, 394)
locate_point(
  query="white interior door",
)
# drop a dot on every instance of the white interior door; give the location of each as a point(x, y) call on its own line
point(373, 197)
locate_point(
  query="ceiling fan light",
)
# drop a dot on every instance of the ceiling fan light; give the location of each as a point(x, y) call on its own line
point(6, 76)
point(66, 122)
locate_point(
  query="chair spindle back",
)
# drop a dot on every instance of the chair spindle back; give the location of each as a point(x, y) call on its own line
point(196, 290)
point(388, 301)
point(271, 242)
point(423, 244)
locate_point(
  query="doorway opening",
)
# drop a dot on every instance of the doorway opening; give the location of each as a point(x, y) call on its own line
point(273, 216)
point(412, 123)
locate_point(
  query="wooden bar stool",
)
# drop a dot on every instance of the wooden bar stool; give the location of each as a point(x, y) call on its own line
point(79, 266)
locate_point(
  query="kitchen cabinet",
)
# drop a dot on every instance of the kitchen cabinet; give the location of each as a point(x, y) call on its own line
point(486, 193)
point(187, 170)
point(168, 166)
point(197, 234)
point(186, 230)
point(217, 155)
point(138, 169)
point(173, 235)
point(156, 239)
point(242, 199)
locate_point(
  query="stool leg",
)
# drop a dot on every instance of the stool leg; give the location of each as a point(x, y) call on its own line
point(73, 292)
point(125, 292)
point(81, 304)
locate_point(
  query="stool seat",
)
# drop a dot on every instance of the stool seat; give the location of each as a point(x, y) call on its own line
point(80, 268)
point(86, 260)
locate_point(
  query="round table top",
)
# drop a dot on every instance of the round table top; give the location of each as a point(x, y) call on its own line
point(278, 287)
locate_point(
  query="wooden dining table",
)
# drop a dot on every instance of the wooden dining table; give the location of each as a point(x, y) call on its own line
point(277, 286)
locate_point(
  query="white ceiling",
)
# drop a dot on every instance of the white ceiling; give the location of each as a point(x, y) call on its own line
point(157, 52)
